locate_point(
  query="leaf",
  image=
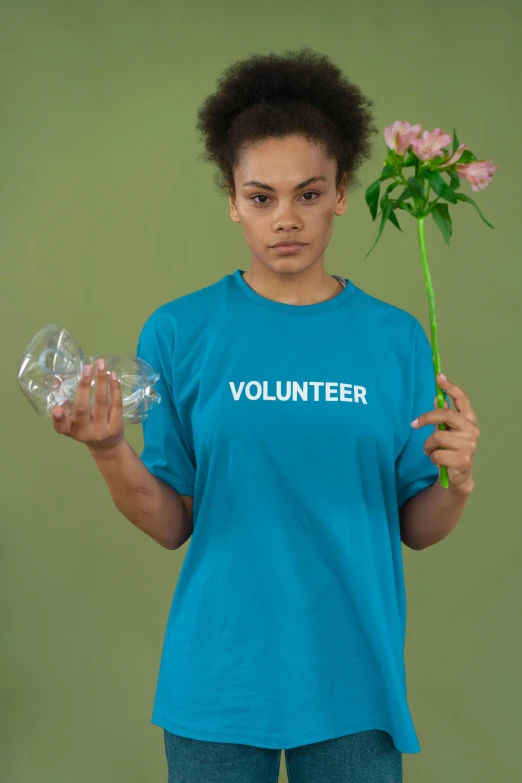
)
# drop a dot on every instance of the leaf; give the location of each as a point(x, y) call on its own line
point(402, 198)
point(442, 220)
point(411, 159)
point(407, 207)
point(386, 214)
point(463, 197)
point(431, 207)
point(440, 187)
point(393, 218)
point(372, 196)
point(390, 187)
point(404, 195)
point(455, 142)
point(417, 191)
point(387, 172)
point(466, 157)
point(372, 192)
point(454, 179)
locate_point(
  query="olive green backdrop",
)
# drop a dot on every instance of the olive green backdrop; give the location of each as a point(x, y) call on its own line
point(105, 214)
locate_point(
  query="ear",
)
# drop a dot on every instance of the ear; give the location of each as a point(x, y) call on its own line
point(340, 205)
point(232, 204)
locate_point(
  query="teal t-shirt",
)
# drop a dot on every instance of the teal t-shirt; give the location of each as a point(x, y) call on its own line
point(290, 426)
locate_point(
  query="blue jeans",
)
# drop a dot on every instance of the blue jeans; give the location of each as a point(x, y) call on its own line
point(363, 757)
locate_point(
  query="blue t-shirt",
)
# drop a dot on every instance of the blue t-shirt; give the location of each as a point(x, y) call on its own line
point(290, 426)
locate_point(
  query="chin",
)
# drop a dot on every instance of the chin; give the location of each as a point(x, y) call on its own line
point(292, 263)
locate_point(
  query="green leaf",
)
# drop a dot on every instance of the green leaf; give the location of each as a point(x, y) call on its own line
point(390, 187)
point(442, 220)
point(463, 197)
point(372, 192)
point(411, 159)
point(415, 187)
point(407, 207)
point(386, 214)
point(417, 191)
point(466, 157)
point(440, 187)
point(402, 198)
point(455, 142)
point(372, 196)
point(431, 207)
point(404, 195)
point(393, 217)
point(387, 172)
point(454, 179)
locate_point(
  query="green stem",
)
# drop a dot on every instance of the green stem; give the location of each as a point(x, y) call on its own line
point(434, 337)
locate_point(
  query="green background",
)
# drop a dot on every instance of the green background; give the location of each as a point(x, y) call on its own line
point(106, 213)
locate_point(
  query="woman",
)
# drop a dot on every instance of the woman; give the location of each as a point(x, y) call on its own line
point(288, 396)
point(283, 450)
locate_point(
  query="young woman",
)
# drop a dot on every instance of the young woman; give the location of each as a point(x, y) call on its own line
point(283, 450)
point(288, 395)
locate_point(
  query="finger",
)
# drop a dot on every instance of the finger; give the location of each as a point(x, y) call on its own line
point(61, 421)
point(116, 404)
point(436, 403)
point(459, 396)
point(451, 458)
point(446, 439)
point(448, 416)
point(101, 394)
point(82, 407)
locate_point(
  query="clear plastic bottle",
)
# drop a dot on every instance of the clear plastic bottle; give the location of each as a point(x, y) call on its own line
point(52, 366)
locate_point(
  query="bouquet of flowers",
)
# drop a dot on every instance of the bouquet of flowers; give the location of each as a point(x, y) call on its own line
point(430, 154)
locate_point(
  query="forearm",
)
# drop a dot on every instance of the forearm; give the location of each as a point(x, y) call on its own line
point(430, 515)
point(150, 504)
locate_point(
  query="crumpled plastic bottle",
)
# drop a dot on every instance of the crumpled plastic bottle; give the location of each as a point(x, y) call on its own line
point(52, 367)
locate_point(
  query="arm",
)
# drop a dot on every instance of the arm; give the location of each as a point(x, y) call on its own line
point(146, 501)
point(431, 514)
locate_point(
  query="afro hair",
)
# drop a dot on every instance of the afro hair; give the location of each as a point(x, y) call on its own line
point(275, 95)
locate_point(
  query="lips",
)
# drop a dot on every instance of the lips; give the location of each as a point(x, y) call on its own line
point(288, 244)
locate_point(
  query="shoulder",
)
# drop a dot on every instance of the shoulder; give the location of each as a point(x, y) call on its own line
point(192, 308)
point(390, 319)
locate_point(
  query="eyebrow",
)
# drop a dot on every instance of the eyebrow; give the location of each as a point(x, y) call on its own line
point(263, 185)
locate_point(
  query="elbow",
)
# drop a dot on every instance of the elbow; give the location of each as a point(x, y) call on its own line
point(412, 546)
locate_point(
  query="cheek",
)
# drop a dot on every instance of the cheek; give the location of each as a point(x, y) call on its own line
point(255, 232)
point(326, 224)
point(323, 216)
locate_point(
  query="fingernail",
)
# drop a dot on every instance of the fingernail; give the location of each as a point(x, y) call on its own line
point(443, 377)
point(58, 414)
point(101, 364)
point(87, 370)
point(414, 422)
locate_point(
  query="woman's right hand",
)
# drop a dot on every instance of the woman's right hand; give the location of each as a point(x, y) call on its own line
point(102, 428)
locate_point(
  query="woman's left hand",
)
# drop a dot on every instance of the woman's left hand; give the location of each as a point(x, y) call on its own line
point(459, 440)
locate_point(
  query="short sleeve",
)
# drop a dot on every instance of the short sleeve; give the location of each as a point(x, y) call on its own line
point(414, 470)
point(167, 452)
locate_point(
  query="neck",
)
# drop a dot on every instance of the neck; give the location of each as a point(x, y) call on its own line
point(310, 286)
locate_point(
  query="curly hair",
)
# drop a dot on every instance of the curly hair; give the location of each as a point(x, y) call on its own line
point(275, 95)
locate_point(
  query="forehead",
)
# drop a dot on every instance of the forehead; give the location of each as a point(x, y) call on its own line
point(283, 161)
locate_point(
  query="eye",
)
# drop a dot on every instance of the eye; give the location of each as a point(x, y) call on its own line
point(262, 195)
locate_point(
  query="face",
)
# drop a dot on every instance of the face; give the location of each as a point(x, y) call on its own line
point(280, 207)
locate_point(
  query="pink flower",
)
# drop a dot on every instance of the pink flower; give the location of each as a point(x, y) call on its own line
point(430, 145)
point(478, 173)
point(399, 136)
